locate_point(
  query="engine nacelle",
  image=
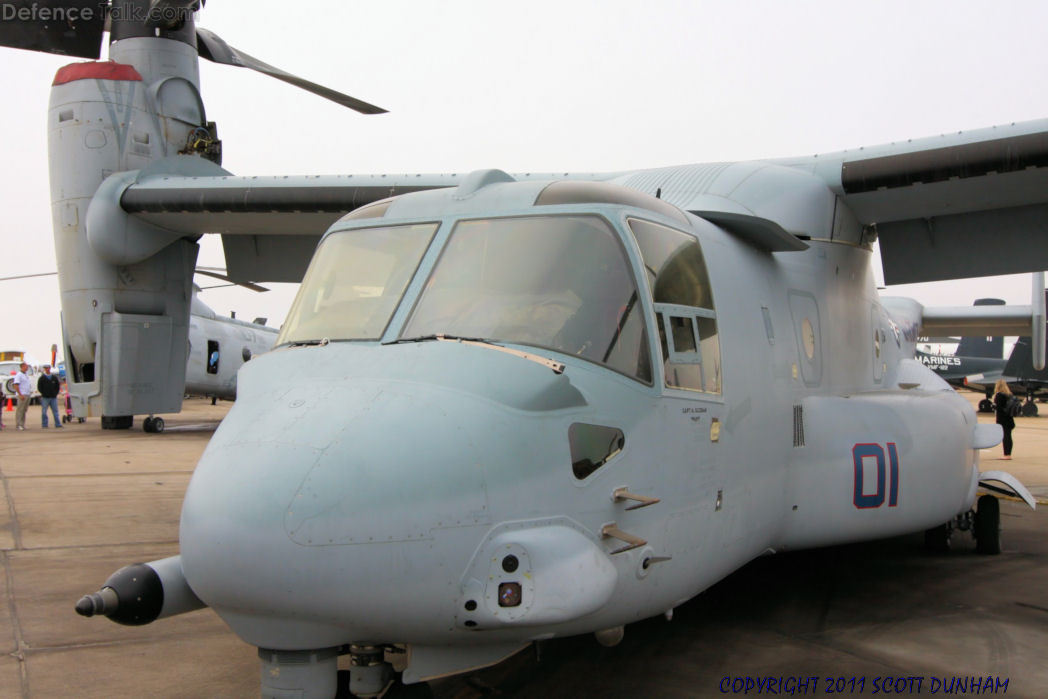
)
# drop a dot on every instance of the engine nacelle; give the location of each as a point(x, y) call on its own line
point(124, 314)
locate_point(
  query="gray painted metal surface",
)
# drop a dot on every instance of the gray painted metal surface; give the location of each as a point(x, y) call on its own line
point(408, 472)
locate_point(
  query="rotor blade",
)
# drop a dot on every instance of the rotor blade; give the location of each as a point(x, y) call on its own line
point(216, 275)
point(28, 276)
point(214, 48)
point(69, 27)
point(199, 270)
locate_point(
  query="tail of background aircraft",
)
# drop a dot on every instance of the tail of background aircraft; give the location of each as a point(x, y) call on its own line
point(980, 345)
point(1020, 365)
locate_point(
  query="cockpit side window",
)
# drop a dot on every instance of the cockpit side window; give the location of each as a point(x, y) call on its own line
point(684, 310)
point(561, 282)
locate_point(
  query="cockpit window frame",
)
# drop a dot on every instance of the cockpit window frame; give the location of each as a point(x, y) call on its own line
point(436, 237)
point(621, 236)
point(661, 316)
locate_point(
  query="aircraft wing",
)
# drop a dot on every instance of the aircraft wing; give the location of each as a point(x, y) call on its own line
point(966, 204)
point(269, 225)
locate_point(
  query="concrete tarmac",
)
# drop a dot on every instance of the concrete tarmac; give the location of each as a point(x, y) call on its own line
point(81, 502)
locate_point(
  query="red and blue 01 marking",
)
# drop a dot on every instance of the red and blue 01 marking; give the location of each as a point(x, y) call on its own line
point(867, 456)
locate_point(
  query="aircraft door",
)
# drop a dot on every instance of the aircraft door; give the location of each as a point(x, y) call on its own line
point(693, 470)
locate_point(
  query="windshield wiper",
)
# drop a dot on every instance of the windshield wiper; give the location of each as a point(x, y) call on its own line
point(556, 367)
point(430, 338)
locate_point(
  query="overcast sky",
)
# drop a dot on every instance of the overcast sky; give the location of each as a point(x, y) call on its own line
point(552, 86)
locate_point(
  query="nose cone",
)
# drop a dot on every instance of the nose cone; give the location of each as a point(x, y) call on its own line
point(348, 480)
point(305, 506)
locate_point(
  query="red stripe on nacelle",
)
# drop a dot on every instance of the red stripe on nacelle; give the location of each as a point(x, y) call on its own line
point(95, 70)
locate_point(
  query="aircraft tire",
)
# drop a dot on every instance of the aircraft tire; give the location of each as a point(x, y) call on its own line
point(158, 425)
point(986, 405)
point(987, 528)
point(1029, 409)
point(147, 425)
point(937, 539)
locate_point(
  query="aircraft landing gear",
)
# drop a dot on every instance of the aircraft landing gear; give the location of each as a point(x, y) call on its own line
point(1030, 408)
point(310, 673)
point(987, 529)
point(984, 524)
point(369, 672)
point(314, 674)
point(153, 425)
point(986, 405)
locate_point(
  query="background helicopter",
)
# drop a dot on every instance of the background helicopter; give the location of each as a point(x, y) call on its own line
point(739, 225)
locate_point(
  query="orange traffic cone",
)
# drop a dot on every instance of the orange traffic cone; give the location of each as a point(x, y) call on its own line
point(9, 404)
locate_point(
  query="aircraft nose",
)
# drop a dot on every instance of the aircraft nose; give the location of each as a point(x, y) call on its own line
point(397, 470)
point(301, 498)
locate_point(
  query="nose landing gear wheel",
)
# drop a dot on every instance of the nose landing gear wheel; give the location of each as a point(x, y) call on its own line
point(988, 526)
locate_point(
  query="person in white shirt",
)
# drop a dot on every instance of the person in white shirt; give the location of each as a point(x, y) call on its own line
point(24, 389)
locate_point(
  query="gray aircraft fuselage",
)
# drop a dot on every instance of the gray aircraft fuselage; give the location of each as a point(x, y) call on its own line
point(408, 471)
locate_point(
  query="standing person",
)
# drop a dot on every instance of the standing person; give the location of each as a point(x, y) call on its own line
point(1003, 396)
point(24, 389)
point(49, 386)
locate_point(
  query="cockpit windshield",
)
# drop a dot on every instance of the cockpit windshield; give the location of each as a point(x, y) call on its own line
point(355, 282)
point(559, 282)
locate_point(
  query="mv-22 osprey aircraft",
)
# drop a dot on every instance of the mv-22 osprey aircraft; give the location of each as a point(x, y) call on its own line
point(511, 408)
